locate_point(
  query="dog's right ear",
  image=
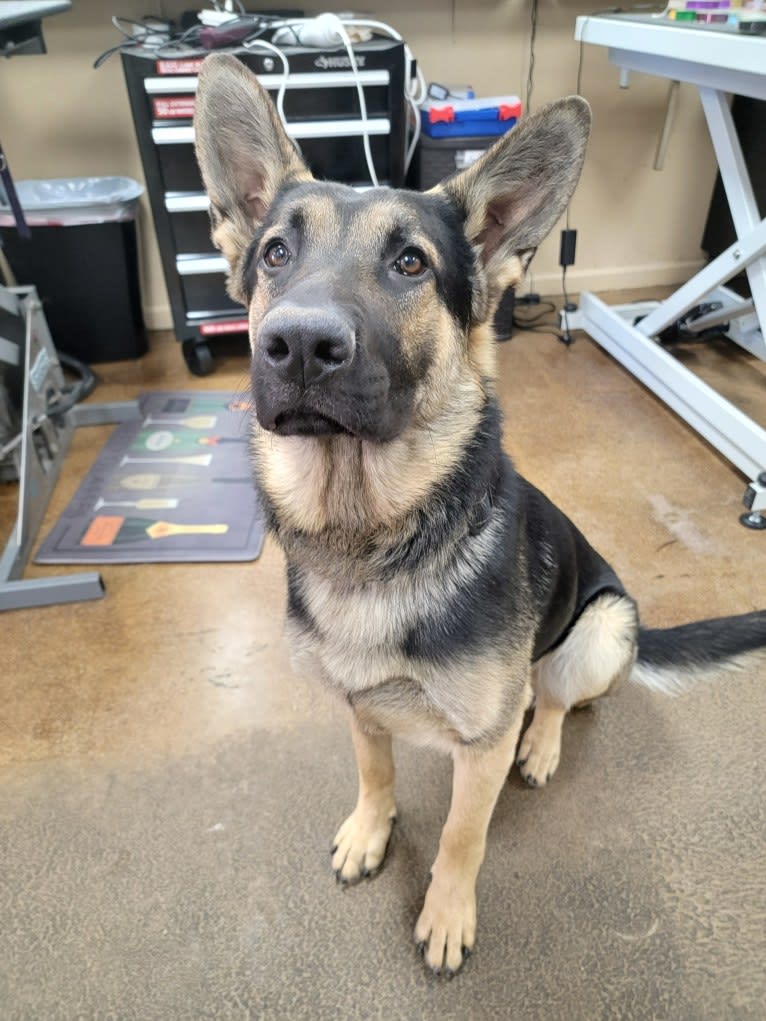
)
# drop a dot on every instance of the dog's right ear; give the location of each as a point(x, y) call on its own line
point(243, 152)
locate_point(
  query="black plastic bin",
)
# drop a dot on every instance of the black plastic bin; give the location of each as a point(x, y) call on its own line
point(437, 158)
point(83, 260)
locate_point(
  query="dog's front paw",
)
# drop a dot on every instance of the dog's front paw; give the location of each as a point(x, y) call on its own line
point(446, 929)
point(361, 843)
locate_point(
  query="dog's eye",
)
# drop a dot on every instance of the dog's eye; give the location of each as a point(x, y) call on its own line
point(277, 254)
point(411, 263)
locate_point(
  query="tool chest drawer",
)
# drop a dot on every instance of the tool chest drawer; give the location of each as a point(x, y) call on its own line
point(343, 160)
point(202, 284)
point(191, 229)
point(314, 101)
point(178, 168)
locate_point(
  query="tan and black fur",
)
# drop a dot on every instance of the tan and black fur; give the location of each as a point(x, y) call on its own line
point(429, 585)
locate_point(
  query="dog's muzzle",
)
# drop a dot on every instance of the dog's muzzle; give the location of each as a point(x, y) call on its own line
point(300, 353)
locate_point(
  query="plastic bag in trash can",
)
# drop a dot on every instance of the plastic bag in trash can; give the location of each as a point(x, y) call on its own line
point(69, 201)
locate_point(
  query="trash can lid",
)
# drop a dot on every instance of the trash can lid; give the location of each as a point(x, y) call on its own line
point(74, 192)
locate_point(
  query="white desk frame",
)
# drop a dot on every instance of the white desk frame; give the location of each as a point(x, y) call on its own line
point(717, 63)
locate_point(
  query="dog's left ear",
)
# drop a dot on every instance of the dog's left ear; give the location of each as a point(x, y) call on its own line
point(243, 152)
point(512, 196)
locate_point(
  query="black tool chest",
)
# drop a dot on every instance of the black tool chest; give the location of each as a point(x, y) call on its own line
point(322, 109)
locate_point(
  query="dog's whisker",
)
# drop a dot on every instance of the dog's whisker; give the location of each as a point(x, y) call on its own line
point(433, 446)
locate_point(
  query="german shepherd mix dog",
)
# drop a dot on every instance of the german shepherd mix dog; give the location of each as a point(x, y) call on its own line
point(433, 588)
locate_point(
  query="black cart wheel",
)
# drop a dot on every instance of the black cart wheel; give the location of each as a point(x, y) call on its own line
point(198, 357)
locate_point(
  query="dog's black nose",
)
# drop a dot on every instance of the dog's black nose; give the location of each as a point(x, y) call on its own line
point(305, 345)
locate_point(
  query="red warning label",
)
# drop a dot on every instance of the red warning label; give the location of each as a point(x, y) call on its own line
point(172, 107)
point(179, 66)
point(233, 326)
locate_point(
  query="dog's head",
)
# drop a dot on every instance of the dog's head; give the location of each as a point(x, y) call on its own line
point(369, 312)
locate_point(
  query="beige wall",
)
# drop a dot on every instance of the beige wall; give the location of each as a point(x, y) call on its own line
point(637, 227)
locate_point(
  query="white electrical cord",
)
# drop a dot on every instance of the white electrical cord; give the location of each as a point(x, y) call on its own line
point(339, 27)
point(280, 101)
point(414, 99)
point(326, 27)
point(328, 23)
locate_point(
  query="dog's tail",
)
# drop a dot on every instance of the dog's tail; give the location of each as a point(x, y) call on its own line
point(671, 660)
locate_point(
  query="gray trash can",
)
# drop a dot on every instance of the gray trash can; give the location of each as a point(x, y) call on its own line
point(83, 259)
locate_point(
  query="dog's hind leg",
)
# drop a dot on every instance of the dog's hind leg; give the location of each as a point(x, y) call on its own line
point(597, 653)
point(361, 843)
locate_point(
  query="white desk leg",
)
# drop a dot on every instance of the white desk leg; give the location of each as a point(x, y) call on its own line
point(747, 252)
point(736, 182)
point(721, 269)
point(741, 440)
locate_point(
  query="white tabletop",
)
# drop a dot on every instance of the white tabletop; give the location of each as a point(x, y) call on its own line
point(12, 12)
point(716, 57)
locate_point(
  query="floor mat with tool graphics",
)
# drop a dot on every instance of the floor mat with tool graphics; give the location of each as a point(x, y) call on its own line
point(173, 484)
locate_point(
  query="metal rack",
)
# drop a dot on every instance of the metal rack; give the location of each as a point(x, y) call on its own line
point(44, 436)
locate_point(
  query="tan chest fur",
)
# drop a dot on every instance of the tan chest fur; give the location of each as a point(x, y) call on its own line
point(356, 647)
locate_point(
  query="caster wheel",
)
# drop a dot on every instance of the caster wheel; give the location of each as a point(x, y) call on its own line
point(754, 520)
point(198, 357)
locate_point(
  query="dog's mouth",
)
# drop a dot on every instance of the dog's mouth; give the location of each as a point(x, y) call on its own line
point(307, 423)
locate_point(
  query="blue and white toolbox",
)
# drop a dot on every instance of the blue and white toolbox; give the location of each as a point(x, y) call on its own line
point(477, 116)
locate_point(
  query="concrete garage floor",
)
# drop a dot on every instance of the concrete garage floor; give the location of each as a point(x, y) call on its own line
point(169, 790)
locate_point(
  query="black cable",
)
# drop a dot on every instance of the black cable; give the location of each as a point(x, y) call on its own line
point(103, 57)
point(535, 324)
point(65, 400)
point(174, 40)
point(566, 336)
point(549, 330)
point(578, 86)
point(138, 36)
point(578, 90)
point(75, 392)
point(531, 71)
point(522, 321)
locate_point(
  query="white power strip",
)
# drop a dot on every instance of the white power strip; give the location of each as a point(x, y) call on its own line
point(321, 32)
point(216, 18)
